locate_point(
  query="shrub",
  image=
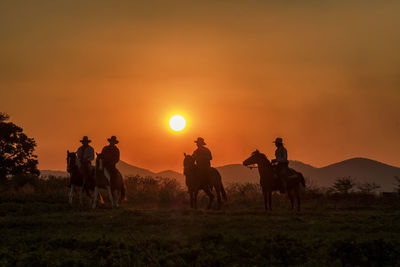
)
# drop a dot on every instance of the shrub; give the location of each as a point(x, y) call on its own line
point(343, 185)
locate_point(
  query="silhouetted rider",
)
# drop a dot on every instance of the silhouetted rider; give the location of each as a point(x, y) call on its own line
point(202, 156)
point(85, 155)
point(281, 160)
point(110, 157)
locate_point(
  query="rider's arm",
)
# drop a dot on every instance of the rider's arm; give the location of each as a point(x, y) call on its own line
point(90, 154)
point(117, 156)
point(284, 155)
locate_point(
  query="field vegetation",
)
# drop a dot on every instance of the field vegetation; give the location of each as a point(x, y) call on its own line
point(156, 227)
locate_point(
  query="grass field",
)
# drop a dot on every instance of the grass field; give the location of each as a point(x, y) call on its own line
point(40, 229)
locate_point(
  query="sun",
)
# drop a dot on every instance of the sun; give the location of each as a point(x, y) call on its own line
point(177, 123)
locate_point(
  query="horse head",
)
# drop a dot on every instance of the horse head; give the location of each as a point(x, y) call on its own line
point(71, 161)
point(256, 158)
point(99, 162)
point(188, 163)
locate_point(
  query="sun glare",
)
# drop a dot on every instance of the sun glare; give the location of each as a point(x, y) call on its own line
point(177, 123)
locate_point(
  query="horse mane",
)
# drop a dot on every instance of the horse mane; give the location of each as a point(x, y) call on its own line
point(260, 154)
point(263, 156)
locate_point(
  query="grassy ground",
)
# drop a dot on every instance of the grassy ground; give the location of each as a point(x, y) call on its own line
point(45, 233)
point(41, 229)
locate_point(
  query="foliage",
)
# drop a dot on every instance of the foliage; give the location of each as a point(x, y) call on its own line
point(163, 191)
point(397, 178)
point(16, 150)
point(41, 230)
point(369, 188)
point(343, 185)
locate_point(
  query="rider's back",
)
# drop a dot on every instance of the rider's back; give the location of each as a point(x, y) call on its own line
point(203, 156)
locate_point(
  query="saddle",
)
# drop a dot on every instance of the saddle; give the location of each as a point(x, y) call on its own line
point(292, 173)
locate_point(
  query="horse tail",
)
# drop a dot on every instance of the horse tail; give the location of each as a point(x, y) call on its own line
point(223, 191)
point(221, 186)
point(302, 180)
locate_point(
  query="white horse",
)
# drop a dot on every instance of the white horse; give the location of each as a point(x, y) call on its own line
point(77, 179)
point(113, 182)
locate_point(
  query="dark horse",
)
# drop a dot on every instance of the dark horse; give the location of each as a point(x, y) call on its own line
point(76, 179)
point(197, 180)
point(114, 186)
point(270, 182)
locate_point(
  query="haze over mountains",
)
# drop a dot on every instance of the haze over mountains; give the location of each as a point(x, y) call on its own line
point(360, 169)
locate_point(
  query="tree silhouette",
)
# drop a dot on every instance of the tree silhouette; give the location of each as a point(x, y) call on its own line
point(368, 188)
point(343, 185)
point(16, 150)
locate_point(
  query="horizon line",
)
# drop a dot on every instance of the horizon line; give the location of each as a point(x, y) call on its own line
point(241, 164)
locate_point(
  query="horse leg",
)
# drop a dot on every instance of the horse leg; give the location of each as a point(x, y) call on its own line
point(71, 194)
point(118, 199)
point(195, 199)
point(291, 199)
point(191, 199)
point(218, 190)
point(210, 195)
point(107, 174)
point(270, 200)
point(96, 192)
point(298, 199)
point(80, 195)
point(110, 194)
point(265, 194)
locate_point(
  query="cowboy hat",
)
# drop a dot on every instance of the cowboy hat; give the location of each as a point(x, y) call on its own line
point(85, 139)
point(200, 141)
point(113, 139)
point(278, 140)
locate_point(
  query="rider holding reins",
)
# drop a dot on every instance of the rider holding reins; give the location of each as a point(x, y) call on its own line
point(111, 157)
point(85, 155)
point(282, 163)
point(202, 156)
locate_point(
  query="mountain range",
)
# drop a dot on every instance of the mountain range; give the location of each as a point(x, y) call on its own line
point(360, 169)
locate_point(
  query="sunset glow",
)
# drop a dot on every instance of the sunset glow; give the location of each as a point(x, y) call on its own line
point(237, 76)
point(177, 123)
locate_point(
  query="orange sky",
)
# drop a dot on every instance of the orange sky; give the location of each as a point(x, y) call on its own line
point(324, 76)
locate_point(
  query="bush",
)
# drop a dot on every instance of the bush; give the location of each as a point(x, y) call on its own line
point(343, 185)
point(158, 190)
point(22, 179)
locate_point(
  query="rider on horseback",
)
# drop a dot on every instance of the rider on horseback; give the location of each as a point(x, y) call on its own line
point(202, 156)
point(85, 155)
point(282, 163)
point(110, 157)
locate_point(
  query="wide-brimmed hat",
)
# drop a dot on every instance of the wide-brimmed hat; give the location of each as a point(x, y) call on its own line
point(113, 139)
point(278, 140)
point(200, 141)
point(85, 139)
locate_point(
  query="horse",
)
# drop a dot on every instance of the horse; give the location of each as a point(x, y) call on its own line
point(196, 180)
point(270, 182)
point(113, 184)
point(76, 179)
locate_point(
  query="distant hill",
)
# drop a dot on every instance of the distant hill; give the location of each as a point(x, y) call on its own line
point(360, 169)
point(127, 169)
